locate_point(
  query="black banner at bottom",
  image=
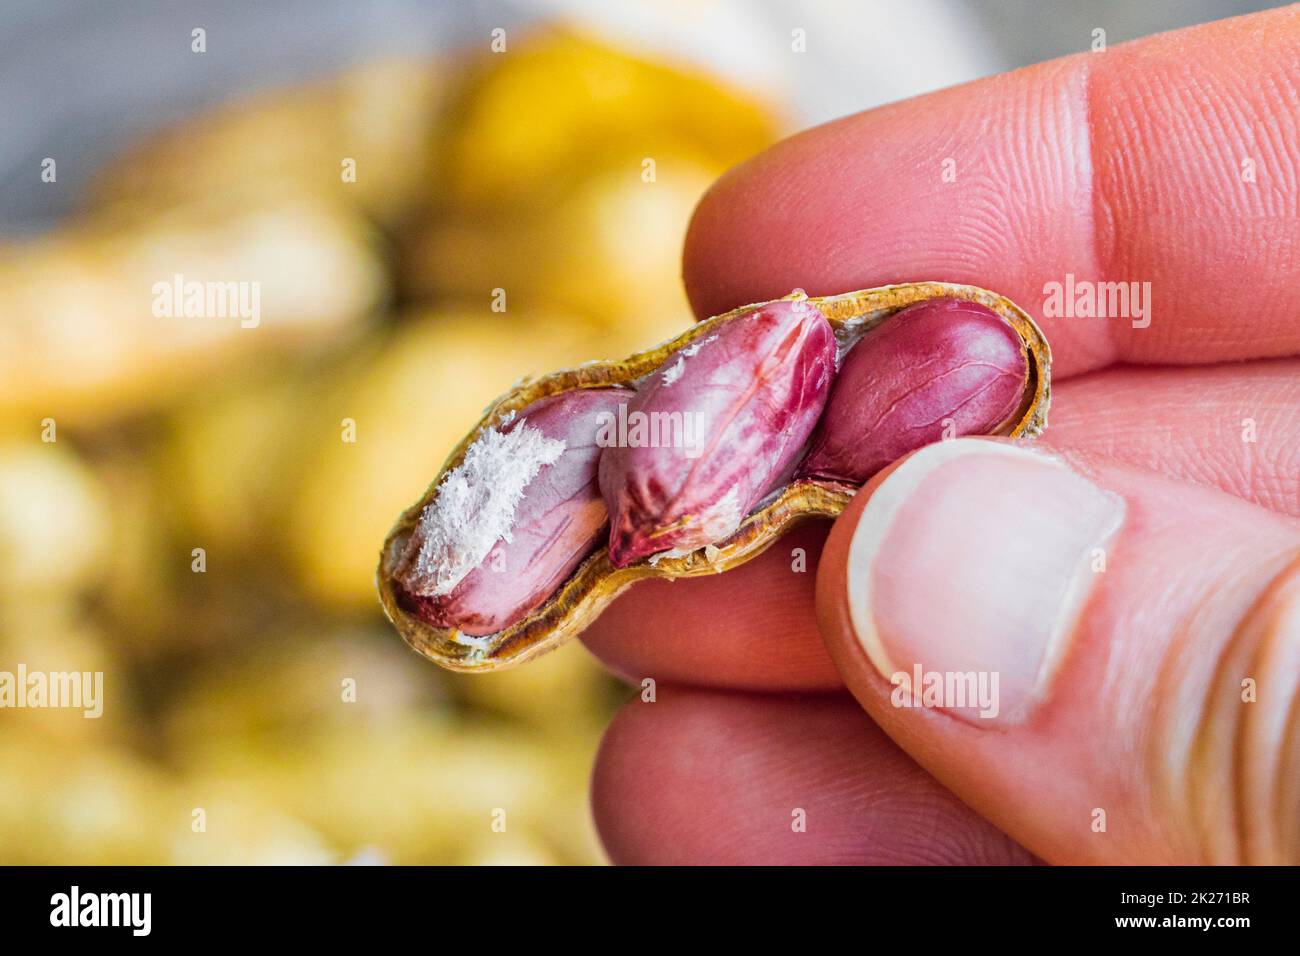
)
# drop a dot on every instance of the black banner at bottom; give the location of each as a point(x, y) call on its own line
point(332, 905)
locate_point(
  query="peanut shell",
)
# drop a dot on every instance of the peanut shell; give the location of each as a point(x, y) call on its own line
point(596, 582)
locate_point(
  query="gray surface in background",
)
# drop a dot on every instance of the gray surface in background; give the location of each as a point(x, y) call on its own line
point(79, 79)
point(1033, 30)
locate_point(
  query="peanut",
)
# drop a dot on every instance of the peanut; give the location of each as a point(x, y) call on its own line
point(942, 368)
point(485, 554)
point(696, 455)
point(743, 400)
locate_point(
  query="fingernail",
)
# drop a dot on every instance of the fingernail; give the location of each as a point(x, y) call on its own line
point(968, 571)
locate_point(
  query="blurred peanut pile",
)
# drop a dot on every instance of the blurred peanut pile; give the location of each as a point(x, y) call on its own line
point(261, 710)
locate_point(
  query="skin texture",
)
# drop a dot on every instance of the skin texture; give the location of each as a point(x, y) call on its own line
point(771, 756)
point(1116, 166)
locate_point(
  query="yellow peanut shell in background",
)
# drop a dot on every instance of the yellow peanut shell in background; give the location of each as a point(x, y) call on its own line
point(545, 197)
point(59, 637)
point(54, 519)
point(82, 806)
point(414, 791)
point(242, 830)
point(569, 171)
point(78, 337)
point(235, 453)
point(563, 691)
point(610, 252)
point(293, 683)
point(524, 125)
point(379, 114)
point(393, 770)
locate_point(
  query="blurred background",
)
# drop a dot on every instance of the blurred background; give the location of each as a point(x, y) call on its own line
point(379, 169)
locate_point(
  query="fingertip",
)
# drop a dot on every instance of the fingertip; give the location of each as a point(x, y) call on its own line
point(991, 606)
point(1072, 173)
point(834, 619)
point(702, 777)
point(699, 270)
point(738, 227)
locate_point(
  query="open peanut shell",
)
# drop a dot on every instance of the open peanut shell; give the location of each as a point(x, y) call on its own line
point(596, 582)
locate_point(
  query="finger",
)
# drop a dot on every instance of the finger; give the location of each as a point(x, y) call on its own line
point(752, 628)
point(1229, 427)
point(1131, 644)
point(1172, 161)
point(741, 779)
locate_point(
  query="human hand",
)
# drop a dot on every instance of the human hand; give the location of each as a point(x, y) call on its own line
point(1133, 579)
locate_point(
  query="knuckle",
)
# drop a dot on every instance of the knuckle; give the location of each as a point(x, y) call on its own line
point(1241, 775)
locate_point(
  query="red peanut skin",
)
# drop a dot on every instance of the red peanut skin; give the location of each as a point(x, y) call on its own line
point(559, 522)
point(761, 380)
point(940, 359)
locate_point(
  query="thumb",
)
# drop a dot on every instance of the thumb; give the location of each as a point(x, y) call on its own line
point(1103, 662)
